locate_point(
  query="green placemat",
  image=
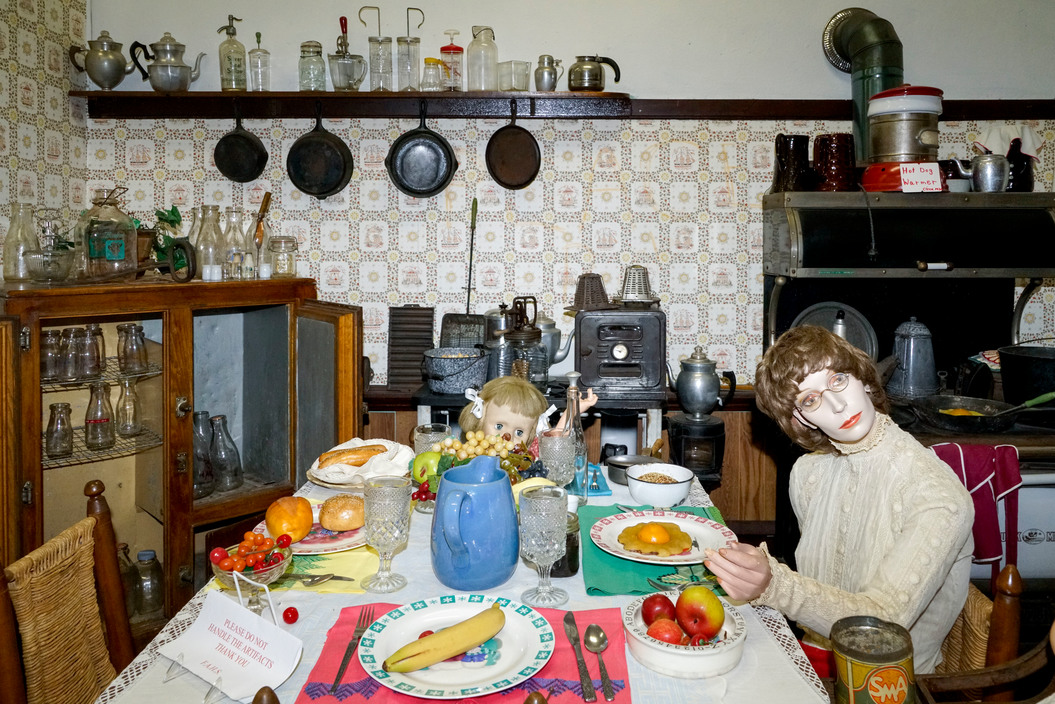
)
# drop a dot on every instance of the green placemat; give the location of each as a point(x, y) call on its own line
point(606, 574)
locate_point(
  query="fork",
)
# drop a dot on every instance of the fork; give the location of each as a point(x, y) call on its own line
point(366, 617)
point(595, 484)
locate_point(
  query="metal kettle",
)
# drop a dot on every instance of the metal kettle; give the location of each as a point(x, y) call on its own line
point(103, 61)
point(167, 73)
point(914, 375)
point(698, 385)
point(551, 338)
point(587, 73)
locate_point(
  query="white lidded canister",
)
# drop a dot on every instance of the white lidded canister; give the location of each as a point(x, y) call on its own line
point(903, 124)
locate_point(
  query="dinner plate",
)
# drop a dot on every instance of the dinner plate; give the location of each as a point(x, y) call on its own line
point(359, 482)
point(709, 534)
point(320, 541)
point(521, 648)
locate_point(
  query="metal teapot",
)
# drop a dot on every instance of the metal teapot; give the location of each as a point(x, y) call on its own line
point(587, 73)
point(103, 61)
point(915, 375)
point(551, 338)
point(988, 173)
point(698, 385)
point(168, 73)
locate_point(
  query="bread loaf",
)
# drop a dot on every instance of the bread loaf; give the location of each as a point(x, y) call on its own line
point(354, 456)
point(342, 512)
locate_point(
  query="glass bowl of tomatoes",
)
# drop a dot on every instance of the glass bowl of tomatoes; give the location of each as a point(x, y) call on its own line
point(257, 558)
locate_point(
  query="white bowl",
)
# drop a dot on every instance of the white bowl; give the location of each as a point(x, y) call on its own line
point(686, 661)
point(656, 494)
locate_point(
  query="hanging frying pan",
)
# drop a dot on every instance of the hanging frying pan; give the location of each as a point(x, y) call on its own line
point(240, 155)
point(319, 163)
point(421, 163)
point(513, 157)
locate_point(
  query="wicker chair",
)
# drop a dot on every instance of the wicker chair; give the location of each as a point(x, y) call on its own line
point(65, 603)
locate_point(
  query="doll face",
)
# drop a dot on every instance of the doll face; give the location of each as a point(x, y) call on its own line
point(836, 404)
point(502, 421)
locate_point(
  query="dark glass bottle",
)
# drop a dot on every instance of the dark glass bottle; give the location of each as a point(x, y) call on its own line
point(226, 464)
point(204, 477)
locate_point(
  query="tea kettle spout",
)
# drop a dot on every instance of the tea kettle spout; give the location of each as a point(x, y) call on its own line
point(562, 353)
point(196, 71)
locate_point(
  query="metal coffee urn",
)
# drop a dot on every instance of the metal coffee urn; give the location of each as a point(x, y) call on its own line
point(697, 439)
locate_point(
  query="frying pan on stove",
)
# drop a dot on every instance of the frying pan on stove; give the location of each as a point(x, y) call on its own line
point(421, 163)
point(513, 157)
point(240, 155)
point(319, 163)
point(929, 409)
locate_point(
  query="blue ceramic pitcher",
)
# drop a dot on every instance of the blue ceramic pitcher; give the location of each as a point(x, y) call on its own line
point(475, 539)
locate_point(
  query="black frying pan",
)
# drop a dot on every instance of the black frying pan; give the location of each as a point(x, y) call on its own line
point(319, 163)
point(421, 163)
point(513, 157)
point(240, 155)
point(929, 409)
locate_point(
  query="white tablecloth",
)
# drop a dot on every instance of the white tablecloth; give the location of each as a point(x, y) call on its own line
point(772, 665)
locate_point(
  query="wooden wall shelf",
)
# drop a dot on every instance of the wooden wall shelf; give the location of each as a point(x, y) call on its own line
point(562, 105)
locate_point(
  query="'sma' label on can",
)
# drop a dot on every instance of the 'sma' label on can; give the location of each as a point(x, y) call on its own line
point(873, 662)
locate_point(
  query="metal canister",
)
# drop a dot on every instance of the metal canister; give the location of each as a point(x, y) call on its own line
point(873, 662)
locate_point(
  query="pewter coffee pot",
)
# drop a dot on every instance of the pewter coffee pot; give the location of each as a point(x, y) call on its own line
point(698, 385)
point(915, 375)
point(587, 73)
point(168, 73)
point(103, 61)
point(989, 173)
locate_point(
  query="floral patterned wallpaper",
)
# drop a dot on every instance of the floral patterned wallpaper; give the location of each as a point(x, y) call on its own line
point(681, 197)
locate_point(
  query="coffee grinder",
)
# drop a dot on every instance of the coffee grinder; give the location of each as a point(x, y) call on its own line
point(697, 439)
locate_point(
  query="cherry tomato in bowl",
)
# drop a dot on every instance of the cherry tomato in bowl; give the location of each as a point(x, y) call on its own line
point(290, 615)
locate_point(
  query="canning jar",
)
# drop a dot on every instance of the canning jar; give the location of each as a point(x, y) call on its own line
point(283, 256)
point(312, 67)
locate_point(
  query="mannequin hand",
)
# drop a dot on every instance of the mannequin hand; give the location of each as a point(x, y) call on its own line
point(742, 570)
point(587, 401)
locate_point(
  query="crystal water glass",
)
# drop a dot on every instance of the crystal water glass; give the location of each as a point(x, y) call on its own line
point(543, 531)
point(557, 452)
point(423, 437)
point(387, 509)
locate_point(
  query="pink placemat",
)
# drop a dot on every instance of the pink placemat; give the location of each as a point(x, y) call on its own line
point(560, 676)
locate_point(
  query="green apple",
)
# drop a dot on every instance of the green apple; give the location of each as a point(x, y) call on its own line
point(424, 465)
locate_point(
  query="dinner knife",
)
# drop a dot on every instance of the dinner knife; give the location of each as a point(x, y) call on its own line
point(572, 631)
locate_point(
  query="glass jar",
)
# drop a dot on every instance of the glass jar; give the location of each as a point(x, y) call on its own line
point(567, 565)
point(204, 477)
point(128, 423)
point(432, 76)
point(58, 439)
point(312, 67)
point(21, 240)
point(208, 247)
point(109, 237)
point(380, 63)
point(95, 334)
point(223, 453)
point(150, 597)
point(98, 418)
point(481, 60)
point(527, 345)
point(50, 357)
point(259, 68)
point(283, 250)
point(453, 57)
point(408, 56)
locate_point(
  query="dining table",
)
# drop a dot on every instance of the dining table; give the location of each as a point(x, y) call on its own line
point(772, 665)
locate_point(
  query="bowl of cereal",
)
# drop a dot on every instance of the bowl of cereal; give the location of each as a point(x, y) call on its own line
point(659, 485)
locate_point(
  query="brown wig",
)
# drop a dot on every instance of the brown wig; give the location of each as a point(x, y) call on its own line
point(510, 391)
point(799, 352)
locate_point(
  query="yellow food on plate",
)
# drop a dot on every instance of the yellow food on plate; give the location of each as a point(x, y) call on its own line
point(960, 412)
point(291, 515)
point(655, 538)
point(447, 642)
point(342, 512)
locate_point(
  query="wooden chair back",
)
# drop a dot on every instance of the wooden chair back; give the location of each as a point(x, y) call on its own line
point(64, 628)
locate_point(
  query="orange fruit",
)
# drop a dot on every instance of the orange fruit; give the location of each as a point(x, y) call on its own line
point(654, 534)
point(290, 514)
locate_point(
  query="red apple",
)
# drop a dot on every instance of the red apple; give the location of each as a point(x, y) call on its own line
point(700, 612)
point(657, 606)
point(666, 630)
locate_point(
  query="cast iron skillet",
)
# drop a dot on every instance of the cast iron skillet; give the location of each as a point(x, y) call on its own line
point(319, 163)
point(240, 155)
point(513, 157)
point(929, 410)
point(421, 163)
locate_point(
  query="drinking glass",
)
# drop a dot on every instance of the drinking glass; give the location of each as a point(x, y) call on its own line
point(543, 529)
point(387, 509)
point(557, 452)
point(425, 436)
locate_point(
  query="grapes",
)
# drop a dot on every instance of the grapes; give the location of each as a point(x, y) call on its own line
point(536, 469)
point(476, 444)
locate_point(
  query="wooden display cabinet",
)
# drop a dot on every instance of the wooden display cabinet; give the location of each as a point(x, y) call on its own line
point(281, 365)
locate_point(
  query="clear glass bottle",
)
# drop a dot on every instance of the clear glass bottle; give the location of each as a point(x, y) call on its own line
point(95, 334)
point(195, 225)
point(380, 63)
point(128, 423)
point(150, 597)
point(311, 69)
point(109, 236)
point(226, 463)
point(453, 57)
point(204, 477)
point(481, 60)
point(50, 356)
point(134, 350)
point(233, 244)
point(283, 250)
point(70, 362)
point(89, 354)
point(99, 418)
point(21, 240)
point(58, 439)
point(259, 68)
point(129, 577)
point(432, 76)
point(123, 330)
point(232, 58)
point(210, 240)
point(408, 62)
point(256, 240)
point(574, 428)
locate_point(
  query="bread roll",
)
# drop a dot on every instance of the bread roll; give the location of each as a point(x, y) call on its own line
point(355, 456)
point(342, 512)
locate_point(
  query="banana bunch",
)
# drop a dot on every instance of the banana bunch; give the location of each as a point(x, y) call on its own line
point(453, 640)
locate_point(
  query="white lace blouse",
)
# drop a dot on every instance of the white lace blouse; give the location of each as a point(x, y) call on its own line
point(886, 532)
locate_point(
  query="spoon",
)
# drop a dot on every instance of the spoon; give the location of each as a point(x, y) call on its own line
point(596, 641)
